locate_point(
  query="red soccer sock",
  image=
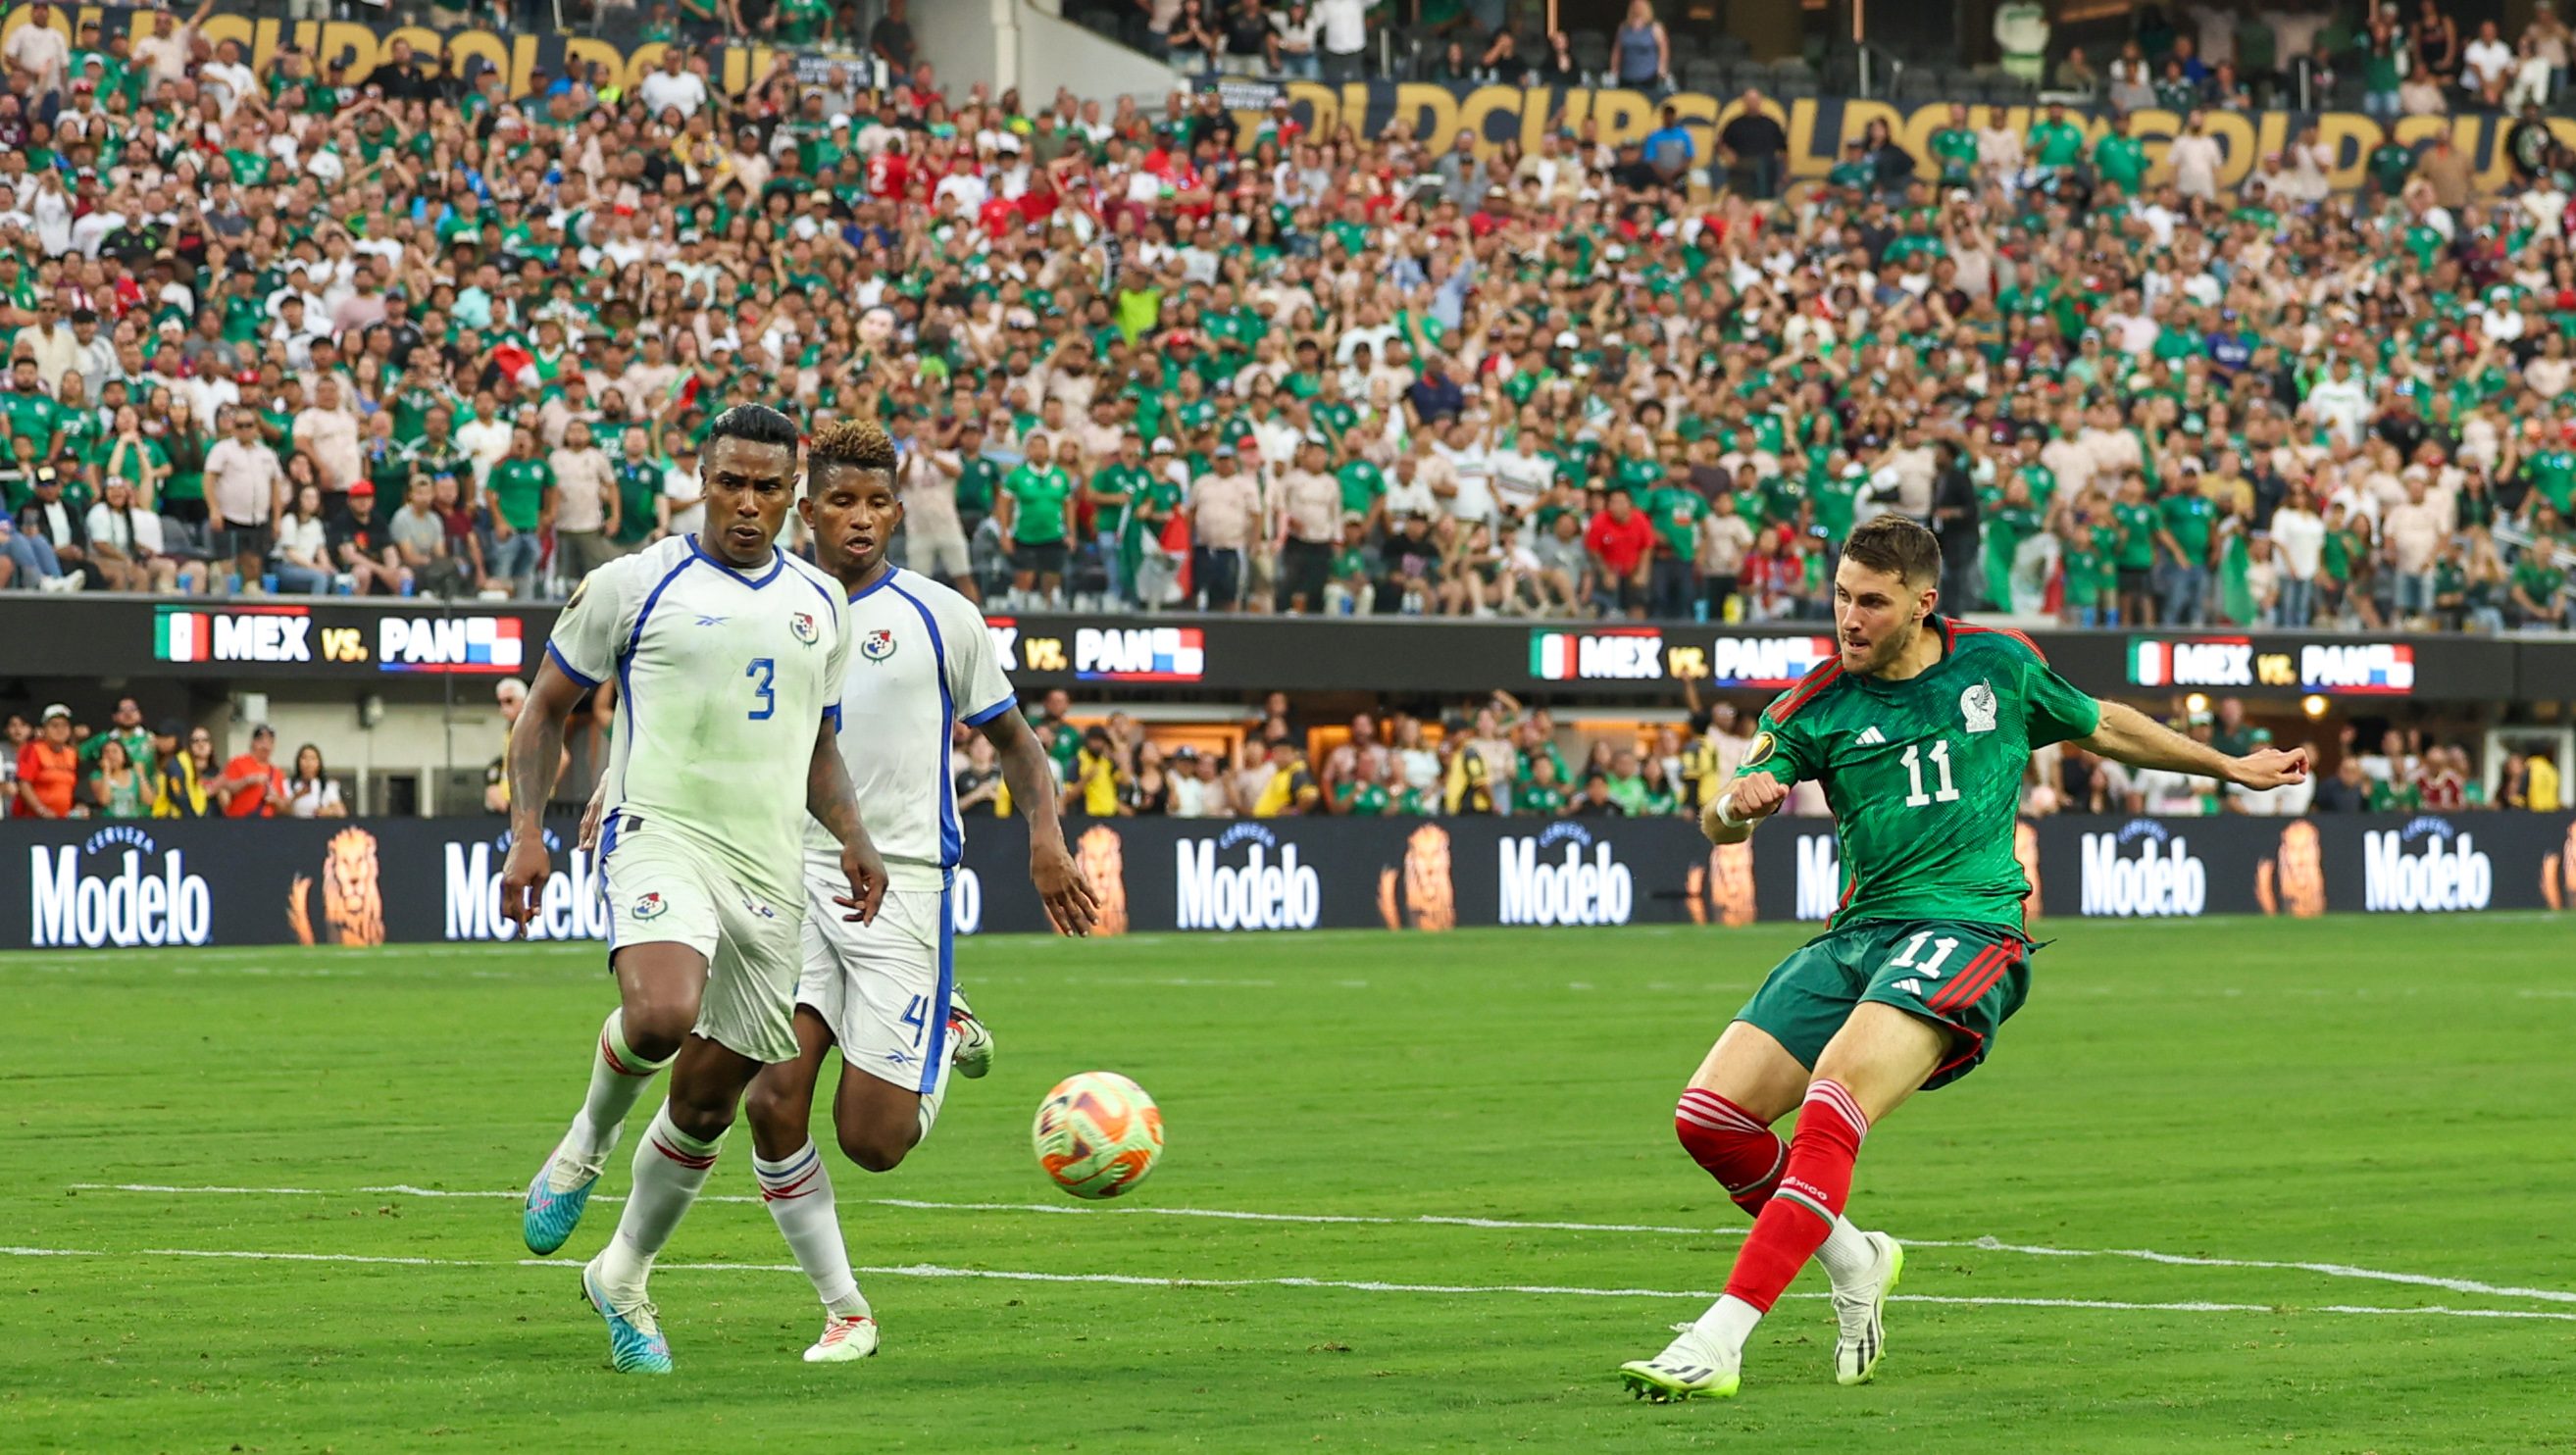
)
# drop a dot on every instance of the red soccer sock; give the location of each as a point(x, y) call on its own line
point(1732, 1145)
point(1810, 1196)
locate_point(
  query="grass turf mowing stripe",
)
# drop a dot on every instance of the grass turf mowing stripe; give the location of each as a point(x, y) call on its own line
point(1986, 1244)
point(1534, 1290)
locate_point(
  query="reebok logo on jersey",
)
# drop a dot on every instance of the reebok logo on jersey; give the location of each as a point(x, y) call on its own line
point(1870, 736)
point(802, 624)
point(877, 645)
point(1977, 705)
point(711, 621)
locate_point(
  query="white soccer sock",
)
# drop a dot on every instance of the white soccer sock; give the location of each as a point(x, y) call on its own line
point(617, 1077)
point(670, 1167)
point(930, 1104)
point(799, 1195)
point(1728, 1323)
point(1847, 1253)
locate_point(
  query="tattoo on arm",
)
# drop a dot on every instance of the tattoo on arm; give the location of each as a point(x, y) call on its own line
point(827, 791)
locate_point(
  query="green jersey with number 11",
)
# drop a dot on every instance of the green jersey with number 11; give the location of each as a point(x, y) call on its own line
point(1924, 774)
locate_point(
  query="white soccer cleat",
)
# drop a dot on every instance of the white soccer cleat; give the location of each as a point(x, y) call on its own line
point(970, 1046)
point(1690, 1365)
point(844, 1341)
point(1861, 1311)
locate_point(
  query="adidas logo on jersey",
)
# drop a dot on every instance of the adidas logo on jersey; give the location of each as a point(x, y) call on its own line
point(1869, 736)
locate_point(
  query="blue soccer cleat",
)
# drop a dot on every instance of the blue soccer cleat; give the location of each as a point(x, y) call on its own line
point(635, 1342)
point(549, 1216)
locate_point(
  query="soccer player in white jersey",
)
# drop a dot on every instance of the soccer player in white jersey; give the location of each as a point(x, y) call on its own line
point(921, 662)
point(729, 656)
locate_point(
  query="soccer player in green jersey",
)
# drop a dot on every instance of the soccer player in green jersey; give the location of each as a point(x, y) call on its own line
point(1918, 730)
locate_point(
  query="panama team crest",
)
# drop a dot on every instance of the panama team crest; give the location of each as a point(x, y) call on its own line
point(802, 624)
point(650, 906)
point(877, 645)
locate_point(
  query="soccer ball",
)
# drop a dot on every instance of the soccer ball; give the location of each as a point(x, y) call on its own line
point(1098, 1134)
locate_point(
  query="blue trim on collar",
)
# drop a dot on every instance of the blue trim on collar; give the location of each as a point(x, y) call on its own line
point(777, 563)
point(873, 587)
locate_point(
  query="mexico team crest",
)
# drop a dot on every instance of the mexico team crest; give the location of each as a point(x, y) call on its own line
point(802, 624)
point(1977, 705)
point(877, 645)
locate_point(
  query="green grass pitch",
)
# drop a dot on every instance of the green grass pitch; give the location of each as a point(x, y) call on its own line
point(2381, 1100)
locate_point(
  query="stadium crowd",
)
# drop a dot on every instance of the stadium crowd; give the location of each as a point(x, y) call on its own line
point(1499, 756)
point(53, 767)
point(1503, 757)
point(274, 330)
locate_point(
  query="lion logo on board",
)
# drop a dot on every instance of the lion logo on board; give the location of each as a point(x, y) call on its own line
point(353, 902)
point(1102, 857)
point(1421, 895)
point(2293, 881)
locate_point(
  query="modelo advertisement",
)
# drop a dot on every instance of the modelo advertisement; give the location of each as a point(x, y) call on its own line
point(182, 884)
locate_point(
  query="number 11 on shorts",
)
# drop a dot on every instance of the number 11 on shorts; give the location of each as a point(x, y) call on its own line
point(1928, 969)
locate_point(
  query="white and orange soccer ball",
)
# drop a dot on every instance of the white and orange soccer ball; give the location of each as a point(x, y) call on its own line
point(1098, 1134)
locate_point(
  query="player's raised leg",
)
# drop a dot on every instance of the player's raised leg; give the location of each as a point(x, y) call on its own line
point(796, 1186)
point(1879, 1057)
point(1749, 1081)
point(1720, 1126)
point(639, 1039)
point(671, 1167)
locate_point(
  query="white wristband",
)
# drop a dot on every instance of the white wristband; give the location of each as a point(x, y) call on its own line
point(1726, 811)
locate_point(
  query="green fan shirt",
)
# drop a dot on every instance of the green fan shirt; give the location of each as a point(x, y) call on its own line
point(1924, 775)
point(1044, 499)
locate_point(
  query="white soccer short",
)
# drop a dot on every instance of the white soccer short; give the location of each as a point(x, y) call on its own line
point(882, 987)
point(661, 889)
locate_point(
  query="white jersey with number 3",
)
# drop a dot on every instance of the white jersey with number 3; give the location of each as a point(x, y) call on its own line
point(723, 677)
point(920, 661)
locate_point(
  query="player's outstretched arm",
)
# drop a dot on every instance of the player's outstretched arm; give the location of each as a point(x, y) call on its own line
point(2132, 737)
point(829, 799)
point(530, 764)
point(1748, 799)
point(1071, 905)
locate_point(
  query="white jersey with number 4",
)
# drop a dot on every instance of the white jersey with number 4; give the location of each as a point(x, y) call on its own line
point(920, 661)
point(723, 677)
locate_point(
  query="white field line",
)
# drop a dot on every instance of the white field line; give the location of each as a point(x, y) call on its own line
point(1990, 1245)
point(1125, 1280)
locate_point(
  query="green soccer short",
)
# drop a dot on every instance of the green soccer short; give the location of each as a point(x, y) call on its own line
point(1968, 977)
